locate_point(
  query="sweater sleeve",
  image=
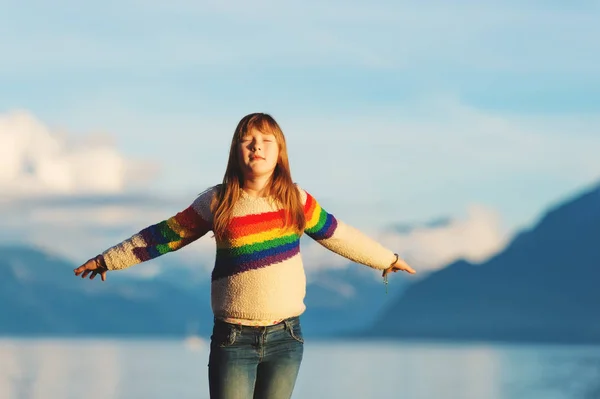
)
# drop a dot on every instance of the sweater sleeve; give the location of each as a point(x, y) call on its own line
point(341, 238)
point(166, 236)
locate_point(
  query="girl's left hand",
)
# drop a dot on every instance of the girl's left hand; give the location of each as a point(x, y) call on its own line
point(401, 265)
point(91, 267)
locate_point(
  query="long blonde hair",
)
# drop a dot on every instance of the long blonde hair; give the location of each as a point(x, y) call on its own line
point(282, 188)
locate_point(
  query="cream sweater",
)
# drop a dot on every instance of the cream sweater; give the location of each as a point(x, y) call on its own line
point(258, 276)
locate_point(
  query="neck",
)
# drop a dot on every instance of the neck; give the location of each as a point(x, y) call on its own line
point(257, 186)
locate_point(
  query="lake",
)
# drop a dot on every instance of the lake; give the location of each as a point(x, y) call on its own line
point(127, 368)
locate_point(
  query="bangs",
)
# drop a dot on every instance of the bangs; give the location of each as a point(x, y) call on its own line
point(262, 122)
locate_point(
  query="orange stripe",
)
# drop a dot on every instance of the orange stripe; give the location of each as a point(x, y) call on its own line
point(309, 207)
point(255, 218)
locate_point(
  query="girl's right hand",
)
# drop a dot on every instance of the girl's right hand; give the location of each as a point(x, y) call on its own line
point(92, 267)
point(399, 265)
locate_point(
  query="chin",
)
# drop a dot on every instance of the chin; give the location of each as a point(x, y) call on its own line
point(262, 171)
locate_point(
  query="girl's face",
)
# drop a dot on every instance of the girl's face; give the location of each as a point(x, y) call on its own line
point(258, 153)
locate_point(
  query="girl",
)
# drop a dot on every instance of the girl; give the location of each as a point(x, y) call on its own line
point(258, 284)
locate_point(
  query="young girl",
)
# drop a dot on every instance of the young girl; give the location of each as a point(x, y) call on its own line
point(258, 285)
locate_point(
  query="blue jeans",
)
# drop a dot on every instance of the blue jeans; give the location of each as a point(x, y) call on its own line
point(254, 362)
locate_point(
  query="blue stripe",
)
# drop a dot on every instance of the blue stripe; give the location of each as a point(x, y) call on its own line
point(322, 233)
point(231, 258)
point(153, 252)
point(227, 271)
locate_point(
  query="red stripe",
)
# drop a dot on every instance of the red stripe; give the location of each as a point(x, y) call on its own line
point(310, 206)
point(241, 231)
point(190, 220)
point(256, 218)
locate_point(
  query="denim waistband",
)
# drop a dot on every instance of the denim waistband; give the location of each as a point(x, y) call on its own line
point(289, 322)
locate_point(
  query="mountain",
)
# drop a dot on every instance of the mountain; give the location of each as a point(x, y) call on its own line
point(47, 299)
point(543, 287)
point(341, 300)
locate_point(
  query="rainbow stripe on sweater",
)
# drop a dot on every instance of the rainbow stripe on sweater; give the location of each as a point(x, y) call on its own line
point(170, 235)
point(259, 240)
point(253, 241)
point(320, 225)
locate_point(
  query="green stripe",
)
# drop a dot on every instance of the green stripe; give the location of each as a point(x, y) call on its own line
point(260, 246)
point(163, 248)
point(167, 232)
point(320, 222)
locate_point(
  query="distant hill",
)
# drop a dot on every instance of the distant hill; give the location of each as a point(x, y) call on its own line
point(544, 287)
point(47, 299)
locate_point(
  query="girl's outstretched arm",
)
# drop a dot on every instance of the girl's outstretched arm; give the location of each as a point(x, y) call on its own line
point(348, 241)
point(153, 241)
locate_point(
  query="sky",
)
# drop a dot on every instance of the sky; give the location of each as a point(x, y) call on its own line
point(440, 129)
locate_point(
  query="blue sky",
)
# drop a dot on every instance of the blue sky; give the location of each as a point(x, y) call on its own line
point(395, 112)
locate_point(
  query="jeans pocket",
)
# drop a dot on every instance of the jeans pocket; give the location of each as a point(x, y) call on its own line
point(224, 335)
point(295, 332)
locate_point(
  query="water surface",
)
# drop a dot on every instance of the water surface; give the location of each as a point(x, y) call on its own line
point(127, 368)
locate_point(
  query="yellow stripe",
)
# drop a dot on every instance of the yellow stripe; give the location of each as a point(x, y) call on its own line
point(314, 218)
point(177, 228)
point(255, 238)
point(174, 245)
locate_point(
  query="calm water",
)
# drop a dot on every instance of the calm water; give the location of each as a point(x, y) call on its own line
point(53, 369)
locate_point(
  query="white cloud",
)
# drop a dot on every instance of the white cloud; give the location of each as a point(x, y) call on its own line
point(37, 160)
point(474, 237)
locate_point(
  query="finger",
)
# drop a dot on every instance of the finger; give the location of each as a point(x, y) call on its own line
point(94, 273)
point(409, 269)
point(85, 273)
point(103, 275)
point(405, 267)
point(89, 265)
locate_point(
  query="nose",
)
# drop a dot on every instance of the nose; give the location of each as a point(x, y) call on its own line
point(255, 146)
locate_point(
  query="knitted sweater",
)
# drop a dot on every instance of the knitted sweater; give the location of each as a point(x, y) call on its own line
point(258, 276)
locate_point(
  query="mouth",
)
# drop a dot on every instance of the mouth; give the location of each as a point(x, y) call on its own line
point(256, 158)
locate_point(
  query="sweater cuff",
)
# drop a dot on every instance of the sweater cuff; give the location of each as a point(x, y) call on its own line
point(100, 261)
